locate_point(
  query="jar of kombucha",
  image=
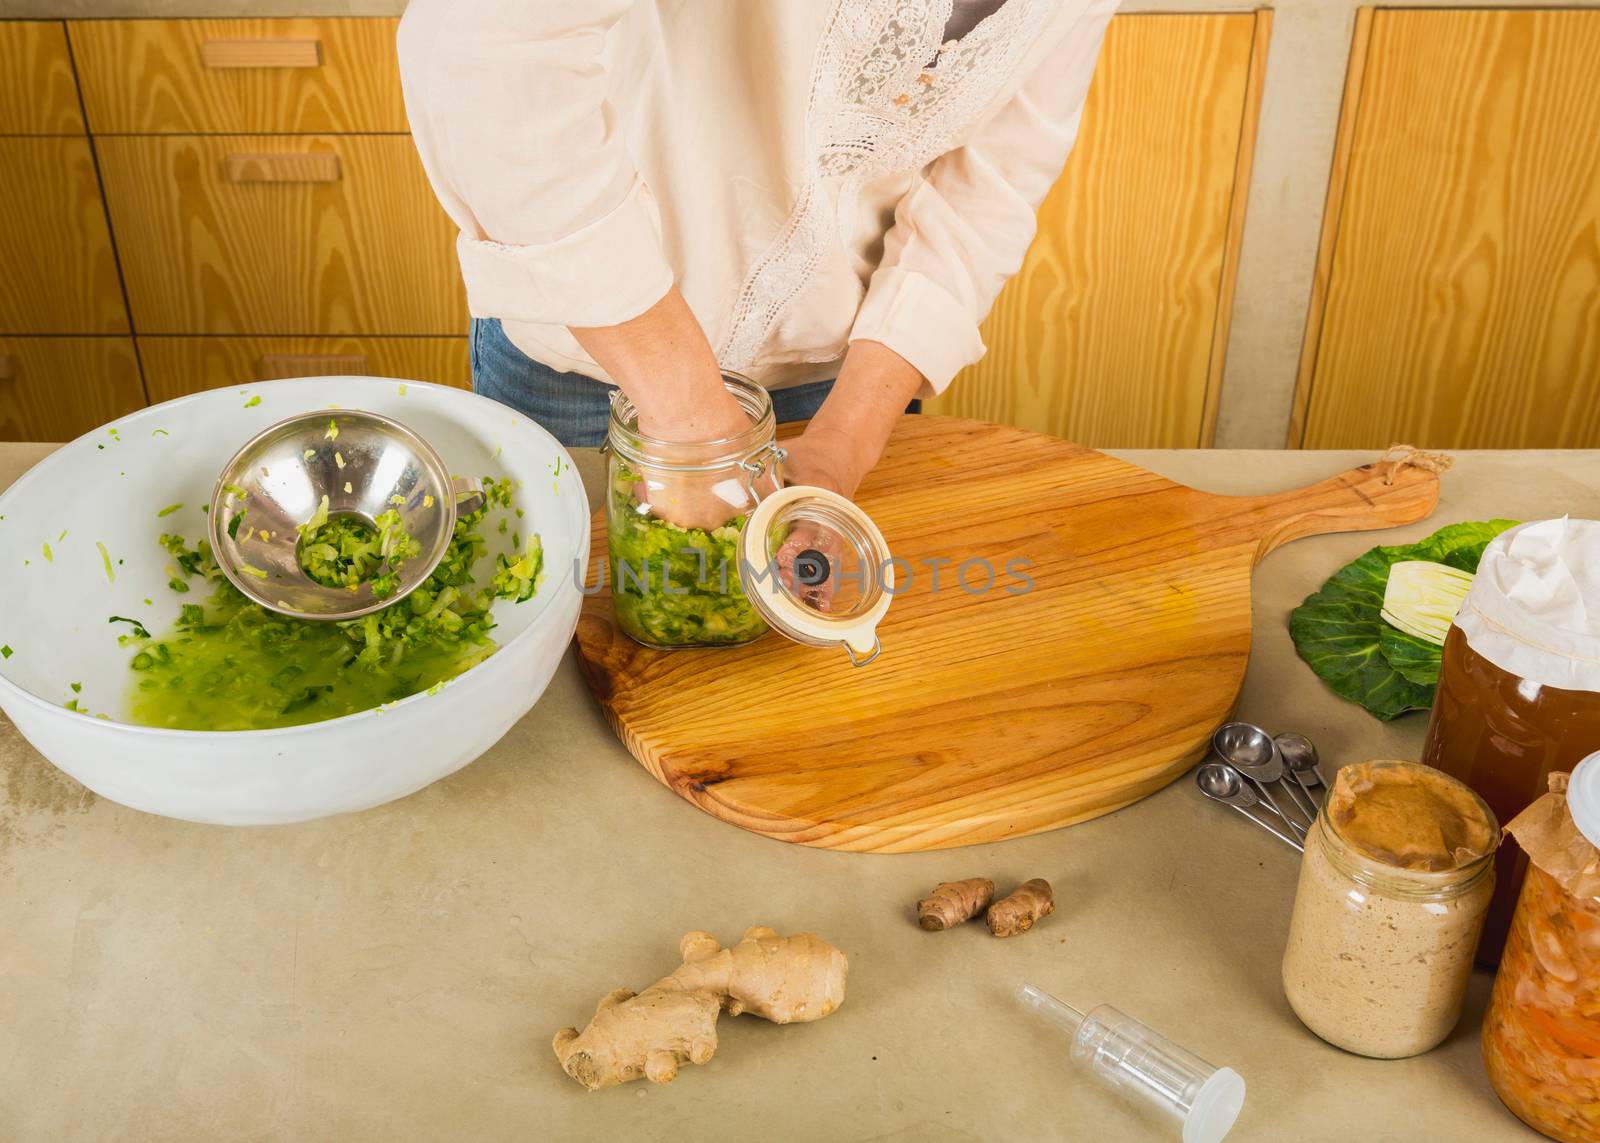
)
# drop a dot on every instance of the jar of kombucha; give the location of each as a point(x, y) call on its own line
point(1541, 1035)
point(1519, 687)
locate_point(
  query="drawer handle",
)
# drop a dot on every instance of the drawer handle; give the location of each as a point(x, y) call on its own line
point(8, 367)
point(278, 366)
point(303, 167)
point(261, 53)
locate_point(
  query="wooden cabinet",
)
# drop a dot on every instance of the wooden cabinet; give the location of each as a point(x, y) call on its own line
point(281, 234)
point(236, 76)
point(1457, 302)
point(1113, 332)
point(177, 366)
point(57, 388)
point(60, 274)
point(38, 95)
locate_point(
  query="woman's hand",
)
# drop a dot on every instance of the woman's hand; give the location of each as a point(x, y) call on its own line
point(837, 450)
point(847, 436)
point(825, 458)
point(663, 362)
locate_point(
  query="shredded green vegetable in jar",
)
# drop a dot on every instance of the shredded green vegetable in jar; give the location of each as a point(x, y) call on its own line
point(672, 586)
point(346, 551)
point(230, 664)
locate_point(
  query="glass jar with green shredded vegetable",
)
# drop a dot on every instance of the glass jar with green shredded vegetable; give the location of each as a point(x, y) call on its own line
point(675, 513)
point(230, 664)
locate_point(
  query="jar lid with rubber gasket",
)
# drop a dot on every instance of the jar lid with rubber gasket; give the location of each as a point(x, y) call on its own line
point(818, 570)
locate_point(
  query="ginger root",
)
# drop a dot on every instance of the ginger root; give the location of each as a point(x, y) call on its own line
point(1017, 912)
point(782, 979)
point(954, 902)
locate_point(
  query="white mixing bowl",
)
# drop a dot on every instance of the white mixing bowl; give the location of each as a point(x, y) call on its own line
point(107, 487)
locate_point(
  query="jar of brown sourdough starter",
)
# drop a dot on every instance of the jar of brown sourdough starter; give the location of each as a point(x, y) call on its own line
point(1519, 688)
point(1396, 877)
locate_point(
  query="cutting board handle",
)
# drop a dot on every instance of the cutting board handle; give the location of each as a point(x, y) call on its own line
point(1377, 495)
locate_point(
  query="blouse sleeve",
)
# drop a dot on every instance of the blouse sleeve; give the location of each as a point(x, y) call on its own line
point(507, 101)
point(962, 230)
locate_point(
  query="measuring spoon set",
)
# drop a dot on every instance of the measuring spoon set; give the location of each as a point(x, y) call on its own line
point(1275, 781)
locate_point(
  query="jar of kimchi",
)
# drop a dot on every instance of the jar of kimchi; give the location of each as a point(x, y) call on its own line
point(1519, 686)
point(1541, 1035)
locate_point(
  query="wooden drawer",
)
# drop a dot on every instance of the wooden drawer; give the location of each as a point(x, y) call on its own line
point(57, 270)
point(1455, 303)
point(351, 241)
point(38, 95)
point(239, 75)
point(1114, 330)
point(57, 388)
point(176, 366)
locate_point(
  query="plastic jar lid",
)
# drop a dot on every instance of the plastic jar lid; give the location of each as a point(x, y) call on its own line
point(1583, 798)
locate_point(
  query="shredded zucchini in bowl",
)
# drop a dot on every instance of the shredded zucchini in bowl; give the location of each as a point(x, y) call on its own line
point(230, 664)
point(346, 551)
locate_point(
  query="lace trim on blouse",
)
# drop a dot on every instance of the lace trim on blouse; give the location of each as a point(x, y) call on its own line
point(877, 107)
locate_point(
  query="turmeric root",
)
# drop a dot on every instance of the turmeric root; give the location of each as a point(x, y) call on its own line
point(954, 902)
point(1017, 912)
point(782, 979)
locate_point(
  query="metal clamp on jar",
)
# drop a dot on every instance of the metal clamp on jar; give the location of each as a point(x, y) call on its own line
point(708, 549)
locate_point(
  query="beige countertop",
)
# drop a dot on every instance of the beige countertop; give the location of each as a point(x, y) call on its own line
point(398, 973)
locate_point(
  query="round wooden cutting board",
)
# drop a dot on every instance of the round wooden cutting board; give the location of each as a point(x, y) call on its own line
point(990, 714)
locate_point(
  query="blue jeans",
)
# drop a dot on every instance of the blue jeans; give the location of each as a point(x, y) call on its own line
point(577, 409)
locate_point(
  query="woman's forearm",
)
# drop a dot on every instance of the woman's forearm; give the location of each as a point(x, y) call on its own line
point(874, 387)
point(663, 362)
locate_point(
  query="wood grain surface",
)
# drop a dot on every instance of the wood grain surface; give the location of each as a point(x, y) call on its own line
point(265, 52)
point(372, 253)
point(150, 76)
point(38, 94)
point(58, 388)
point(1233, 244)
point(990, 714)
point(1463, 298)
point(1108, 332)
point(177, 366)
point(289, 167)
point(58, 274)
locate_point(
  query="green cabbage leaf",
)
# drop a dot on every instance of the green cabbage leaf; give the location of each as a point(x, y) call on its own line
point(1340, 632)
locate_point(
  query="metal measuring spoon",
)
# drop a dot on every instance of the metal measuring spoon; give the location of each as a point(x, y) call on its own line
point(1300, 756)
point(1249, 750)
point(1222, 783)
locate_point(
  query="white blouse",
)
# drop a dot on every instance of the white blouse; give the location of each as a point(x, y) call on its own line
point(808, 171)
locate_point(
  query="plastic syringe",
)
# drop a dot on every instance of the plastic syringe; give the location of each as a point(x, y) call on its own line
point(1124, 1054)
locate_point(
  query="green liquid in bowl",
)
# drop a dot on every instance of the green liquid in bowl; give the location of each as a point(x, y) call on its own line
point(230, 664)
